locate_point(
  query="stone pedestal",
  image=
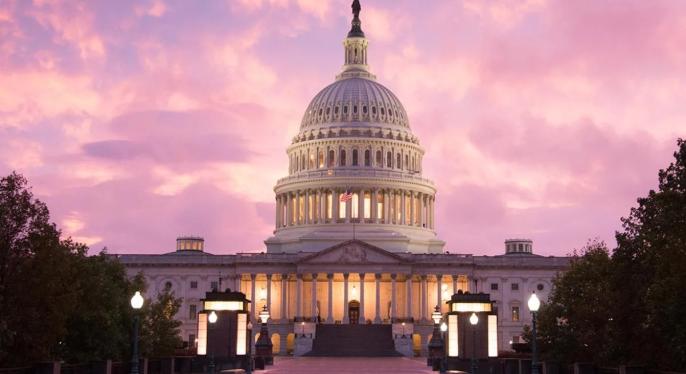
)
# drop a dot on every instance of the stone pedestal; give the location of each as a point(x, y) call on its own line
point(302, 345)
point(403, 344)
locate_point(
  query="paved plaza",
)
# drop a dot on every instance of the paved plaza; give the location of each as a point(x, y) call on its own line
point(348, 365)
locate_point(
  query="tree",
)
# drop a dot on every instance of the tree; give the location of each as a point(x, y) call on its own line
point(650, 276)
point(160, 333)
point(577, 318)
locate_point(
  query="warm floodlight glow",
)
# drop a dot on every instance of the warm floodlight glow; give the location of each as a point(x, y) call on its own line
point(264, 315)
point(353, 292)
point(473, 319)
point(263, 294)
point(452, 336)
point(436, 315)
point(241, 334)
point(534, 302)
point(202, 334)
point(444, 327)
point(492, 335)
point(223, 305)
point(213, 317)
point(137, 300)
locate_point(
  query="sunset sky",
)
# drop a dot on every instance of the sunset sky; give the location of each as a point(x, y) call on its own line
point(137, 121)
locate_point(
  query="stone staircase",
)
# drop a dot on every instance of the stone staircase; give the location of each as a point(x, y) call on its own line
point(353, 341)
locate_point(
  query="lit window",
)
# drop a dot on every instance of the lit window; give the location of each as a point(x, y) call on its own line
point(367, 205)
point(515, 314)
point(355, 204)
point(194, 284)
point(329, 206)
point(515, 286)
point(380, 206)
point(321, 159)
point(341, 209)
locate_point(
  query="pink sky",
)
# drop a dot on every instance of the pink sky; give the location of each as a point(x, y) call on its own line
point(137, 121)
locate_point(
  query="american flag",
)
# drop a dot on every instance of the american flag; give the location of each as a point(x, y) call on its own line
point(346, 196)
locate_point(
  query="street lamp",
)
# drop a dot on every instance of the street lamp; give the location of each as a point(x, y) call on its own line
point(263, 347)
point(403, 324)
point(212, 318)
point(444, 358)
point(136, 304)
point(473, 320)
point(436, 344)
point(534, 304)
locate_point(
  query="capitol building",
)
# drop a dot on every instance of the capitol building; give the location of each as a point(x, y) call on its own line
point(354, 239)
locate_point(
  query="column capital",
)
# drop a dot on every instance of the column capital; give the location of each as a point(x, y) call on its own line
point(269, 276)
point(314, 276)
point(377, 276)
point(252, 276)
point(439, 276)
point(422, 276)
point(456, 276)
point(394, 276)
point(361, 275)
point(299, 275)
point(284, 276)
point(346, 275)
point(329, 276)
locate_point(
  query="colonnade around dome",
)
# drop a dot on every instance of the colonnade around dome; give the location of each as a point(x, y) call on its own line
point(366, 206)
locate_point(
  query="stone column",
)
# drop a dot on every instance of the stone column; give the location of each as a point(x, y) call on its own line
point(306, 217)
point(348, 210)
point(284, 299)
point(394, 304)
point(402, 208)
point(278, 209)
point(299, 296)
point(314, 297)
point(297, 207)
point(329, 310)
point(335, 204)
point(455, 278)
point(387, 206)
point(252, 296)
point(422, 210)
point(269, 293)
point(374, 209)
point(422, 312)
point(413, 196)
point(236, 283)
point(439, 296)
point(360, 208)
point(289, 210)
point(408, 286)
point(362, 316)
point(345, 298)
point(377, 316)
point(322, 206)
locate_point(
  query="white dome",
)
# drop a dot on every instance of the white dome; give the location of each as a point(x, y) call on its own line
point(354, 100)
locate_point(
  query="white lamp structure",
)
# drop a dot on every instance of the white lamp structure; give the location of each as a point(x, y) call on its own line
point(473, 319)
point(534, 304)
point(137, 300)
point(212, 318)
point(136, 303)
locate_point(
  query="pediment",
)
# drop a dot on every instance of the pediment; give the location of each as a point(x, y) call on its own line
point(353, 252)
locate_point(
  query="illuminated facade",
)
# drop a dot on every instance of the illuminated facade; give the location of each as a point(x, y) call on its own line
point(371, 257)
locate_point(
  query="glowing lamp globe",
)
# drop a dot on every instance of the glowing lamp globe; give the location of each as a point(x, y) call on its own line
point(264, 315)
point(436, 315)
point(212, 317)
point(137, 300)
point(473, 319)
point(534, 303)
point(444, 327)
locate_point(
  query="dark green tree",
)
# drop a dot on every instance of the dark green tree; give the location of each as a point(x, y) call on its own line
point(160, 333)
point(650, 272)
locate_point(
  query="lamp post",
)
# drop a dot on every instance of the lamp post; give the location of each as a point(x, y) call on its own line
point(263, 347)
point(436, 343)
point(249, 364)
point(403, 324)
point(212, 318)
point(136, 304)
point(473, 320)
point(534, 304)
point(444, 358)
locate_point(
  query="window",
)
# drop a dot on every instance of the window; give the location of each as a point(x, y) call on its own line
point(379, 161)
point(374, 110)
point(191, 341)
point(367, 158)
point(354, 211)
point(379, 207)
point(345, 109)
point(354, 157)
point(214, 286)
point(494, 286)
point(328, 110)
point(321, 159)
point(521, 247)
point(167, 286)
point(397, 161)
point(194, 284)
point(192, 312)
point(342, 157)
point(540, 287)
point(329, 206)
point(355, 109)
point(331, 158)
point(341, 207)
point(515, 314)
point(389, 160)
point(406, 159)
point(383, 111)
point(364, 109)
point(367, 205)
point(515, 286)
point(311, 163)
point(335, 110)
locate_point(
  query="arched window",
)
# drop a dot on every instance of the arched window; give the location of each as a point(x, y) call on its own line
point(311, 163)
point(389, 159)
point(379, 161)
point(354, 109)
point(342, 158)
point(374, 110)
point(302, 162)
point(354, 157)
point(321, 159)
point(407, 164)
point(168, 286)
point(331, 158)
point(397, 161)
point(367, 158)
point(328, 110)
point(364, 109)
point(345, 109)
point(383, 111)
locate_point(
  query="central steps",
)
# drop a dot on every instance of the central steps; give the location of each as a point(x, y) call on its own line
point(353, 341)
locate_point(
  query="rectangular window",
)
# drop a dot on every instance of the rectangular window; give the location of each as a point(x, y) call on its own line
point(515, 286)
point(380, 206)
point(341, 208)
point(192, 312)
point(329, 206)
point(492, 335)
point(355, 212)
point(194, 284)
point(494, 286)
point(453, 347)
point(202, 334)
point(367, 205)
point(214, 286)
point(241, 334)
point(310, 207)
point(301, 209)
point(191, 341)
point(515, 314)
